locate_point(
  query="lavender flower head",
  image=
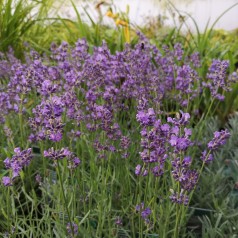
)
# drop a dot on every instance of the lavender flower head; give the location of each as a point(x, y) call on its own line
point(18, 160)
point(217, 78)
point(144, 212)
point(38, 179)
point(180, 120)
point(179, 138)
point(7, 181)
point(179, 198)
point(207, 157)
point(57, 155)
point(138, 169)
point(218, 140)
point(71, 233)
point(118, 221)
point(146, 118)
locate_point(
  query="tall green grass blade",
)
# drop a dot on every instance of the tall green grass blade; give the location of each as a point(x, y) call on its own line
point(15, 22)
point(90, 18)
point(80, 23)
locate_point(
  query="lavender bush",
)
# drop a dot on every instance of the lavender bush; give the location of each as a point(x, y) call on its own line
point(96, 143)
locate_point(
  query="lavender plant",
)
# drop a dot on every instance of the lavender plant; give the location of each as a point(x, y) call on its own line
point(114, 135)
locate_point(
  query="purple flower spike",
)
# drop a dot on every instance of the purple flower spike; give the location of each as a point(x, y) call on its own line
point(146, 118)
point(55, 155)
point(38, 179)
point(218, 140)
point(118, 221)
point(138, 169)
point(7, 181)
point(190, 180)
point(180, 143)
point(217, 78)
point(56, 136)
point(207, 158)
point(7, 163)
point(139, 207)
point(179, 198)
point(73, 162)
point(17, 162)
point(180, 120)
point(125, 142)
point(69, 229)
point(144, 212)
point(186, 162)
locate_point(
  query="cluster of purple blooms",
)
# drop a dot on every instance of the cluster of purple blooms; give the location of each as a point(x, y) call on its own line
point(144, 212)
point(56, 155)
point(130, 74)
point(170, 142)
point(179, 197)
point(219, 139)
point(15, 164)
point(77, 90)
point(69, 228)
point(217, 79)
point(47, 122)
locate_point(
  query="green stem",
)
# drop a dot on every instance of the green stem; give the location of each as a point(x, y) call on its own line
point(21, 120)
point(176, 231)
point(64, 197)
point(204, 116)
point(199, 175)
point(8, 210)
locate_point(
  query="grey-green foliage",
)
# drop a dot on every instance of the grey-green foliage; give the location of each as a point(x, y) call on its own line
point(230, 150)
point(217, 184)
point(213, 227)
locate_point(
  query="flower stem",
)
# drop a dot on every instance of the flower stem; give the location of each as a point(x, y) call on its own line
point(64, 197)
